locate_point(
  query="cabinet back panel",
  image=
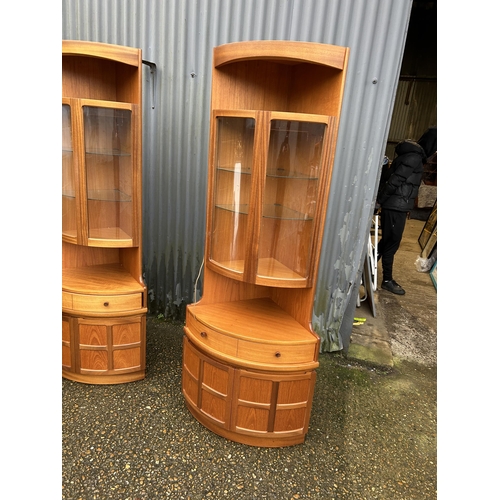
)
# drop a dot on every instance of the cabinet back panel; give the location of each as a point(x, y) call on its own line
point(110, 220)
point(80, 256)
point(289, 242)
point(268, 85)
point(228, 238)
point(91, 78)
point(315, 89)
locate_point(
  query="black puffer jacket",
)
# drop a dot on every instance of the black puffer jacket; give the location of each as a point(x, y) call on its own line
point(401, 188)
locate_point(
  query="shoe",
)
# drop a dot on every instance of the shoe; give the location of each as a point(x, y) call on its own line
point(392, 286)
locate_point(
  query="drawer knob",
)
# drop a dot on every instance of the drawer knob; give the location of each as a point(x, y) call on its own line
point(277, 354)
point(203, 334)
point(106, 304)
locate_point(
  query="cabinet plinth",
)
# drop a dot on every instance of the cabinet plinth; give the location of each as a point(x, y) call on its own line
point(103, 294)
point(250, 353)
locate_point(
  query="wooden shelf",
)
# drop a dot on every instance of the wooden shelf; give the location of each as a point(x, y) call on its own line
point(100, 279)
point(257, 320)
point(269, 212)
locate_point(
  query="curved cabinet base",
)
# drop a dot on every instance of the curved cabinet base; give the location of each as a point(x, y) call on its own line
point(104, 379)
point(104, 350)
point(253, 407)
point(266, 441)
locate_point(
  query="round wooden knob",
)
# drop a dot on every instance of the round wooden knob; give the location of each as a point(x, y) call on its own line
point(203, 334)
point(106, 304)
point(277, 354)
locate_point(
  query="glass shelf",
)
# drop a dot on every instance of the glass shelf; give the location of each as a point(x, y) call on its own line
point(313, 176)
point(235, 170)
point(237, 209)
point(110, 233)
point(106, 152)
point(269, 212)
point(108, 195)
point(101, 195)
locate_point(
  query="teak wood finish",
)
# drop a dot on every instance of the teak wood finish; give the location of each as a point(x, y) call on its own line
point(250, 352)
point(103, 294)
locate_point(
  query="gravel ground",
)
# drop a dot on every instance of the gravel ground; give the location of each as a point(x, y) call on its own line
point(372, 435)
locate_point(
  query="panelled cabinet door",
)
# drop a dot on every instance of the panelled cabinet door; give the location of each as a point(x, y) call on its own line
point(110, 346)
point(207, 385)
point(272, 404)
point(244, 402)
point(268, 179)
point(67, 361)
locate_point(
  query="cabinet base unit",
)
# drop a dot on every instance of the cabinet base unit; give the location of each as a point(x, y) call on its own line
point(104, 350)
point(103, 325)
point(249, 372)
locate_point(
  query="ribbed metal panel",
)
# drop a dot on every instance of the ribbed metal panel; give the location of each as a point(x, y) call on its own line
point(414, 111)
point(178, 36)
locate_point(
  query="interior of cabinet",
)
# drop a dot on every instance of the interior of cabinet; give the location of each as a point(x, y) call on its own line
point(101, 79)
point(99, 83)
point(296, 87)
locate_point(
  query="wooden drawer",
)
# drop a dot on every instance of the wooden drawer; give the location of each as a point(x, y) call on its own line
point(276, 353)
point(213, 339)
point(102, 303)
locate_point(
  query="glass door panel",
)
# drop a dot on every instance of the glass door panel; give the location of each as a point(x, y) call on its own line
point(69, 227)
point(232, 187)
point(290, 198)
point(109, 167)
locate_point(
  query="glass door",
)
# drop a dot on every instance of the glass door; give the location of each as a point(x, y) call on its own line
point(69, 203)
point(291, 189)
point(232, 191)
point(109, 174)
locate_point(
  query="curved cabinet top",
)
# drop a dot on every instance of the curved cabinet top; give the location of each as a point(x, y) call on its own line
point(285, 51)
point(119, 53)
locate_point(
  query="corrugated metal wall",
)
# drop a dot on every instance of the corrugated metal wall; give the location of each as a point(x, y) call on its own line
point(178, 36)
point(414, 112)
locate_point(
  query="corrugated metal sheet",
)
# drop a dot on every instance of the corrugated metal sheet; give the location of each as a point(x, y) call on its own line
point(414, 112)
point(178, 36)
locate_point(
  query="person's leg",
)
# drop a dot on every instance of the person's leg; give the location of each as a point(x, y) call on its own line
point(392, 224)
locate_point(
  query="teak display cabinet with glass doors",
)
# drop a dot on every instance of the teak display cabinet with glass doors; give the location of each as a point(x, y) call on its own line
point(103, 294)
point(250, 352)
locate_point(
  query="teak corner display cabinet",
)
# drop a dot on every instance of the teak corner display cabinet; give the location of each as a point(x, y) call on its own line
point(250, 353)
point(103, 294)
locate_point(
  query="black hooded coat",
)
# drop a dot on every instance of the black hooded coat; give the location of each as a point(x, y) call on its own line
point(400, 189)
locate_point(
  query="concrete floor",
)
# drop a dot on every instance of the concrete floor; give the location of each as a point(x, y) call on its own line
point(372, 433)
point(404, 326)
